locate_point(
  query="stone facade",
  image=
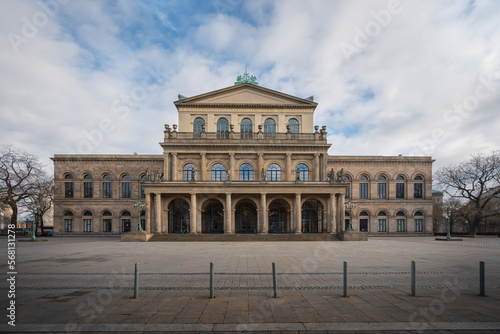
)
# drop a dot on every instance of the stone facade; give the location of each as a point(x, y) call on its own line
point(243, 159)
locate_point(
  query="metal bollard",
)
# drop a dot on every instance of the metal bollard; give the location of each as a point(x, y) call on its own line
point(211, 280)
point(481, 278)
point(345, 279)
point(275, 281)
point(413, 278)
point(136, 281)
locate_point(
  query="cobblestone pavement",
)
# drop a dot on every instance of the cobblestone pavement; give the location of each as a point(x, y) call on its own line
point(78, 284)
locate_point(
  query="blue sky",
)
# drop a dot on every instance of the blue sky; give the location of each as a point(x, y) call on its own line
point(391, 77)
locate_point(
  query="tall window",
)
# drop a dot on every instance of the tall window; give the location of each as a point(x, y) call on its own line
point(68, 221)
point(197, 124)
point(382, 222)
point(302, 172)
point(68, 186)
point(246, 128)
point(294, 125)
point(274, 172)
point(382, 187)
point(222, 128)
point(189, 172)
point(218, 172)
point(246, 172)
point(88, 186)
point(107, 188)
point(106, 221)
point(269, 128)
point(400, 187)
point(417, 187)
point(348, 187)
point(400, 222)
point(126, 221)
point(364, 219)
point(126, 186)
point(87, 221)
point(143, 179)
point(419, 221)
point(363, 187)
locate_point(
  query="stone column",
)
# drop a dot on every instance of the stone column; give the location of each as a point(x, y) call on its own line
point(231, 166)
point(158, 212)
point(198, 222)
point(333, 212)
point(148, 213)
point(260, 165)
point(264, 228)
point(341, 210)
point(324, 166)
point(228, 228)
point(174, 166)
point(192, 215)
point(203, 163)
point(298, 214)
point(316, 167)
point(289, 171)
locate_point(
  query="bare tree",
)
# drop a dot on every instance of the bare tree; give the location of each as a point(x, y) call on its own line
point(41, 200)
point(20, 175)
point(477, 181)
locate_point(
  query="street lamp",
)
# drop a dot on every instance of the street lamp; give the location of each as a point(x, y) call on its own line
point(34, 207)
point(139, 206)
point(349, 206)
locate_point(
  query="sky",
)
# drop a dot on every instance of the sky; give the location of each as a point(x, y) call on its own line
point(390, 77)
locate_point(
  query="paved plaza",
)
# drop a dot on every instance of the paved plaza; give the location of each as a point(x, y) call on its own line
point(86, 285)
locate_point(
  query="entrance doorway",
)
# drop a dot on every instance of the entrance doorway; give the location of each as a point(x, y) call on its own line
point(246, 218)
point(312, 216)
point(178, 216)
point(212, 217)
point(278, 217)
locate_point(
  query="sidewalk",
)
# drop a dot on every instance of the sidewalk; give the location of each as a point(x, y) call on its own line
point(81, 286)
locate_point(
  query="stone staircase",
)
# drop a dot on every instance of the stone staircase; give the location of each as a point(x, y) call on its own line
point(245, 237)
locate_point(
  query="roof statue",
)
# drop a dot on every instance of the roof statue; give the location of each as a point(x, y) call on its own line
point(246, 78)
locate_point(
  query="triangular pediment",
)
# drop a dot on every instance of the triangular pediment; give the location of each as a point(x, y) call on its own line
point(245, 94)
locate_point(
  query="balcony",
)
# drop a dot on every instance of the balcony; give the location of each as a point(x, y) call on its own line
point(244, 137)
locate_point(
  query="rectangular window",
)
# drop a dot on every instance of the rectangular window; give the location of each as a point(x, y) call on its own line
point(143, 195)
point(143, 224)
point(68, 225)
point(382, 193)
point(68, 189)
point(87, 225)
point(400, 225)
point(363, 190)
point(126, 190)
point(419, 225)
point(347, 188)
point(400, 190)
point(106, 225)
point(382, 225)
point(126, 225)
point(417, 190)
point(88, 189)
point(107, 190)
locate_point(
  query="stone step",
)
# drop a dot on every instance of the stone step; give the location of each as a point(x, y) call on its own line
point(245, 237)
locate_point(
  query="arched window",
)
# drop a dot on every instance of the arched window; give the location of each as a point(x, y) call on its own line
point(363, 221)
point(274, 172)
point(197, 124)
point(126, 186)
point(106, 221)
point(294, 125)
point(88, 186)
point(418, 188)
point(126, 221)
point(107, 188)
point(68, 221)
point(363, 187)
point(382, 221)
point(382, 187)
point(347, 179)
point(269, 127)
point(222, 125)
point(87, 221)
point(400, 221)
point(68, 186)
point(246, 128)
point(400, 187)
point(218, 172)
point(419, 221)
point(246, 172)
point(302, 172)
point(189, 172)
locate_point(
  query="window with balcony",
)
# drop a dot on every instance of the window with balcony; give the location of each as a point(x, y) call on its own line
point(222, 128)
point(302, 172)
point(246, 172)
point(246, 128)
point(198, 124)
point(218, 172)
point(294, 125)
point(270, 128)
point(189, 172)
point(274, 173)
